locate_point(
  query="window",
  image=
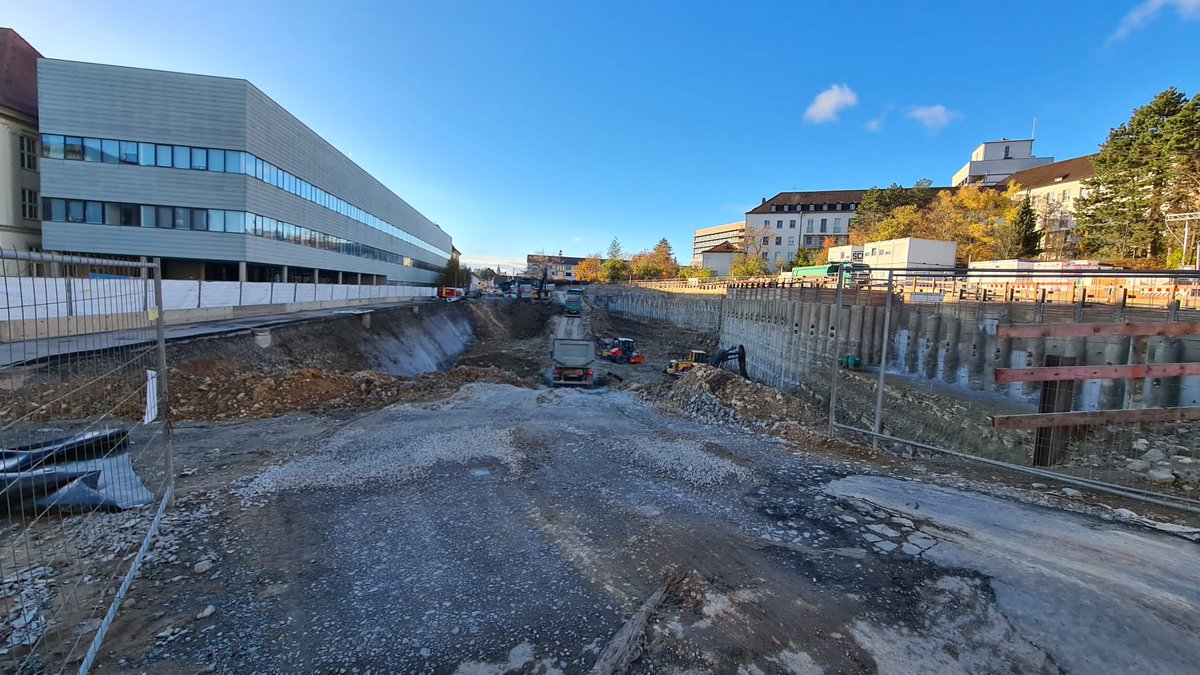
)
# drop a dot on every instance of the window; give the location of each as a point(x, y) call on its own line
point(824, 207)
point(91, 149)
point(216, 160)
point(146, 154)
point(166, 217)
point(182, 219)
point(235, 221)
point(216, 220)
point(766, 223)
point(1007, 154)
point(773, 207)
point(837, 224)
point(1066, 195)
point(779, 241)
point(29, 153)
point(766, 240)
point(792, 224)
point(183, 157)
point(129, 215)
point(74, 211)
point(58, 210)
point(764, 255)
point(808, 241)
point(162, 156)
point(837, 206)
point(200, 159)
point(110, 151)
point(824, 222)
point(808, 227)
point(199, 219)
point(93, 212)
point(791, 241)
point(129, 152)
point(148, 219)
point(53, 146)
point(73, 146)
point(779, 224)
point(29, 204)
point(854, 207)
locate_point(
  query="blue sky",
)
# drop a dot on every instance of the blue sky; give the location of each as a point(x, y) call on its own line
point(520, 126)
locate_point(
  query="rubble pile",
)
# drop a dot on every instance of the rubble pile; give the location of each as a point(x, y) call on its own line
point(257, 395)
point(715, 396)
point(1165, 457)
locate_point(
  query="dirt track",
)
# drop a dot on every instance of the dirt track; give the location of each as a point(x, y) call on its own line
point(501, 528)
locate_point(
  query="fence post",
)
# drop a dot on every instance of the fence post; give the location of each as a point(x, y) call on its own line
point(164, 407)
point(877, 425)
point(837, 336)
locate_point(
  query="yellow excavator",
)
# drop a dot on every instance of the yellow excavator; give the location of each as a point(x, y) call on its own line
point(678, 367)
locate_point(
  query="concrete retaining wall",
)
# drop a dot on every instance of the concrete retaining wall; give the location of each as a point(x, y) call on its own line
point(791, 343)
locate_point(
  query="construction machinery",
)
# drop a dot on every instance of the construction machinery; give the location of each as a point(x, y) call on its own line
point(622, 350)
point(678, 367)
point(572, 364)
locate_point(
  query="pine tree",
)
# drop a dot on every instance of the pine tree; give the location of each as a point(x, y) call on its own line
point(1020, 237)
point(614, 250)
point(1141, 173)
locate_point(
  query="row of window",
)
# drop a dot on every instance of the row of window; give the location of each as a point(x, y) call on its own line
point(808, 225)
point(214, 220)
point(837, 206)
point(109, 151)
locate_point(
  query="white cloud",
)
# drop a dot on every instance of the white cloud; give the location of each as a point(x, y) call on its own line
point(576, 239)
point(934, 117)
point(1145, 12)
point(874, 125)
point(826, 105)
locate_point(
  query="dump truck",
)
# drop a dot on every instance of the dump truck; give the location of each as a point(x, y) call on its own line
point(572, 364)
point(573, 305)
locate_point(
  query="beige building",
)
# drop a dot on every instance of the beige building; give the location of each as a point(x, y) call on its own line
point(1053, 190)
point(994, 161)
point(20, 203)
point(709, 237)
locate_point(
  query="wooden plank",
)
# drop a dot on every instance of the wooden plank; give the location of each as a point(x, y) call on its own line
point(1097, 417)
point(1069, 330)
point(1128, 372)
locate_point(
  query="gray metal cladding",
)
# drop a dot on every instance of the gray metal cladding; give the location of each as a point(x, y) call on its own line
point(83, 237)
point(143, 185)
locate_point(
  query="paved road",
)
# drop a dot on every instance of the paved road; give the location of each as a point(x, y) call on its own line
point(514, 529)
point(17, 353)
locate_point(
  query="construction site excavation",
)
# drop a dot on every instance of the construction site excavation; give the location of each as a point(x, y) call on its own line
point(452, 487)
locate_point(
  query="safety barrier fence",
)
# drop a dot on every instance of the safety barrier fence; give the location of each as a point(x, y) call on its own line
point(1104, 396)
point(87, 466)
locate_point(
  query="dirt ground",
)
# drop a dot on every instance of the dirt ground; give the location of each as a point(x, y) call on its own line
point(490, 526)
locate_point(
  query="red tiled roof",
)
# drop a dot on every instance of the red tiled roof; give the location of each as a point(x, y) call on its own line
point(18, 73)
point(1078, 168)
point(806, 198)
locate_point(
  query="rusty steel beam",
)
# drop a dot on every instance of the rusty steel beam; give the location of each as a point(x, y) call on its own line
point(1096, 417)
point(1074, 330)
point(1128, 372)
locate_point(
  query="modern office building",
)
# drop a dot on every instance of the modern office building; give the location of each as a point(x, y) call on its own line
point(1053, 190)
point(994, 161)
point(218, 180)
point(789, 221)
point(707, 238)
point(20, 226)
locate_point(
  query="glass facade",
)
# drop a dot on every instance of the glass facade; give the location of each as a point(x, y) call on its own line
point(215, 220)
point(56, 146)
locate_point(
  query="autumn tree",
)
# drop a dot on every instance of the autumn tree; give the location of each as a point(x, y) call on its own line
point(822, 256)
point(878, 205)
point(642, 266)
point(1147, 167)
point(804, 257)
point(750, 261)
point(971, 216)
point(613, 271)
point(588, 270)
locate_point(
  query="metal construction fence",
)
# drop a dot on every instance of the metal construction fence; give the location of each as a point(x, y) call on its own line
point(86, 449)
point(1097, 393)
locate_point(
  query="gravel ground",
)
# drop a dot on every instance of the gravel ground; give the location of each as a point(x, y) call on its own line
point(507, 529)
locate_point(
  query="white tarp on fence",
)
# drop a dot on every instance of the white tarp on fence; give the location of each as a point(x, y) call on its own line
point(32, 298)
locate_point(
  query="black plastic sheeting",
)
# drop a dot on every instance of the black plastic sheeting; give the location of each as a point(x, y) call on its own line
point(78, 474)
